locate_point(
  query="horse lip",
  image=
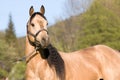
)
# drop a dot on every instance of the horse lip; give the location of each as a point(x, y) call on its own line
point(44, 46)
point(40, 45)
point(43, 43)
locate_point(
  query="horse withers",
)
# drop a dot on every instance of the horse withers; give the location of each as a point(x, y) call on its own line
point(46, 63)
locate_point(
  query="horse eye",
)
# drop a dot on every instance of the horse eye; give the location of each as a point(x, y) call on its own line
point(32, 24)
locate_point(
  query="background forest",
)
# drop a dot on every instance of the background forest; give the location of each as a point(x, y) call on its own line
point(99, 23)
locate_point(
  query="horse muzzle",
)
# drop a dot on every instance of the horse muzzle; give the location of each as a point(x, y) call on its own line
point(42, 40)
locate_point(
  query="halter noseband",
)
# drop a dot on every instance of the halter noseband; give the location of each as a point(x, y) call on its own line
point(35, 35)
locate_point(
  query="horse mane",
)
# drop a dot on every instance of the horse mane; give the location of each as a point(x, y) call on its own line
point(55, 60)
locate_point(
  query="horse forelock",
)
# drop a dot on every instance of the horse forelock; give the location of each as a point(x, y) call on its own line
point(37, 13)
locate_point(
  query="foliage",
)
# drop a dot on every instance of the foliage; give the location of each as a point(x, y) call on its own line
point(3, 73)
point(20, 46)
point(18, 72)
point(9, 49)
point(7, 55)
point(10, 36)
point(103, 26)
point(100, 24)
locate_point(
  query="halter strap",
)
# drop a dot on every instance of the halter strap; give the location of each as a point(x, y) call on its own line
point(35, 35)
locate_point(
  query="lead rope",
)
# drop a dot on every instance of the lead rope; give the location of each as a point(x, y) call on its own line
point(27, 58)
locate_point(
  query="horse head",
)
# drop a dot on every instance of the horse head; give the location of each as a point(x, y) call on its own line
point(37, 32)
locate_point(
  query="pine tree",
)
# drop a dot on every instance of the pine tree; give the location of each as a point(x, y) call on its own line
point(10, 35)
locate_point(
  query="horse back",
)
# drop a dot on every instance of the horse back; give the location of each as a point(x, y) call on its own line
point(94, 62)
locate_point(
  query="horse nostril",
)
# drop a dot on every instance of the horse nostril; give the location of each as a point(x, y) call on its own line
point(43, 39)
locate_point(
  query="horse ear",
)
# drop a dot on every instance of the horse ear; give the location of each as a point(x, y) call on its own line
point(42, 10)
point(31, 11)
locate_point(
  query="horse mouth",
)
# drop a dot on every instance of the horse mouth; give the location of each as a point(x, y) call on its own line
point(43, 43)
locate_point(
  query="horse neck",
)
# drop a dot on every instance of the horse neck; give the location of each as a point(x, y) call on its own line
point(30, 49)
point(53, 58)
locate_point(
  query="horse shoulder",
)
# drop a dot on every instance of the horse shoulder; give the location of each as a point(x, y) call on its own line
point(79, 63)
point(45, 71)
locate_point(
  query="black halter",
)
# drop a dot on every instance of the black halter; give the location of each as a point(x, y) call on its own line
point(35, 35)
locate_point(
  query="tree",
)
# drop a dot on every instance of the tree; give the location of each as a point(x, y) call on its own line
point(10, 35)
point(75, 7)
point(99, 24)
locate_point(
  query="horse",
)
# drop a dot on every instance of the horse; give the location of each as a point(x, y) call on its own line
point(98, 62)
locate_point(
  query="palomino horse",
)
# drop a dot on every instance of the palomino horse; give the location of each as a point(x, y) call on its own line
point(46, 63)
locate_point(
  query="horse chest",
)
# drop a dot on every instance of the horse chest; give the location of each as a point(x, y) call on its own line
point(44, 72)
